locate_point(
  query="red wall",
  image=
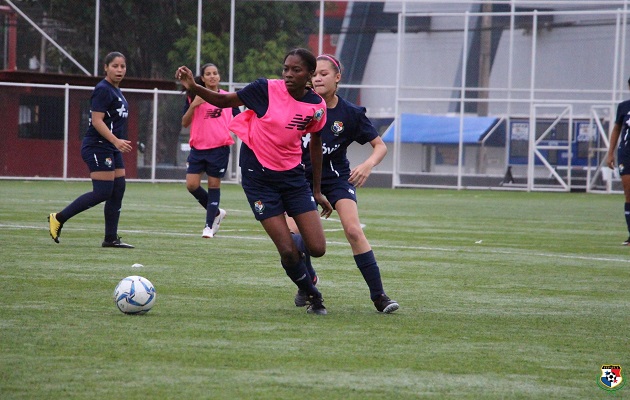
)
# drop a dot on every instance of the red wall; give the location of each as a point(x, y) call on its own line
point(22, 157)
point(44, 158)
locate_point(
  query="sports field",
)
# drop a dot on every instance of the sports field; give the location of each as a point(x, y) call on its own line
point(503, 295)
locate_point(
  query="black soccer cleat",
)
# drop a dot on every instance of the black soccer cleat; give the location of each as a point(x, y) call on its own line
point(316, 305)
point(117, 243)
point(385, 305)
point(301, 297)
point(626, 243)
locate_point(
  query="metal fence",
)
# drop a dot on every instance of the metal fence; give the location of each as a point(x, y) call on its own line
point(545, 78)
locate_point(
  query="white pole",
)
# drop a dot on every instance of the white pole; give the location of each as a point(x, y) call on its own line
point(320, 40)
point(97, 23)
point(622, 56)
point(66, 106)
point(232, 22)
point(237, 152)
point(532, 110)
point(462, 104)
point(154, 134)
point(616, 75)
point(510, 83)
point(397, 113)
point(199, 9)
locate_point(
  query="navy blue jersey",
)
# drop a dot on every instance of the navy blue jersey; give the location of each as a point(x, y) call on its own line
point(345, 124)
point(255, 96)
point(623, 119)
point(108, 99)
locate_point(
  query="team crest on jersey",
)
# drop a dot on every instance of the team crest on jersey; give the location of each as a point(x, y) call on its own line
point(259, 206)
point(319, 114)
point(337, 127)
point(108, 162)
point(611, 378)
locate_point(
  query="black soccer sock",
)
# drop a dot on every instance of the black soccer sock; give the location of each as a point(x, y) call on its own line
point(300, 276)
point(201, 195)
point(101, 191)
point(299, 242)
point(366, 263)
point(627, 212)
point(112, 209)
point(212, 206)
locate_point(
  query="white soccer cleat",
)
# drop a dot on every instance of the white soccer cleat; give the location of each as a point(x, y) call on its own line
point(217, 221)
point(207, 232)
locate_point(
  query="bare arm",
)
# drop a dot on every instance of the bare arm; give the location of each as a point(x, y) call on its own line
point(316, 154)
point(614, 138)
point(221, 100)
point(101, 127)
point(361, 172)
point(188, 115)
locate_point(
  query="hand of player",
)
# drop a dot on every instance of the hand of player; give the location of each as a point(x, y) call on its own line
point(359, 174)
point(123, 145)
point(610, 161)
point(323, 201)
point(185, 76)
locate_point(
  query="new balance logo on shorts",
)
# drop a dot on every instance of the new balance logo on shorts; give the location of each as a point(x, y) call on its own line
point(299, 122)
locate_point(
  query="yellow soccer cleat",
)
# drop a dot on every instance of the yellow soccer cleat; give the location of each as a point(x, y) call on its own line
point(54, 227)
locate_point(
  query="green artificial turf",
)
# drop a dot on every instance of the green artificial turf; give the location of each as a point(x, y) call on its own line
point(503, 295)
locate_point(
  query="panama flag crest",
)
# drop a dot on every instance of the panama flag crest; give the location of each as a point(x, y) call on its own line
point(611, 378)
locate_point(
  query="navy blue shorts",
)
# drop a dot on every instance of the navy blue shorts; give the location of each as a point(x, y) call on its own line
point(272, 193)
point(101, 159)
point(623, 160)
point(213, 162)
point(340, 189)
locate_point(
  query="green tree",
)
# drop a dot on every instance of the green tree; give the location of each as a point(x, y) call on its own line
point(159, 35)
point(214, 49)
point(265, 62)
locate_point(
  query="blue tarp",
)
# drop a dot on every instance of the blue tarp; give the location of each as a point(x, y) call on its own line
point(433, 129)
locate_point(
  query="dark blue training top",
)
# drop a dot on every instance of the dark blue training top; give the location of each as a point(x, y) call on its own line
point(623, 119)
point(107, 99)
point(255, 96)
point(345, 124)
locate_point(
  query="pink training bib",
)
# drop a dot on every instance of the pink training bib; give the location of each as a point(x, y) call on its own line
point(209, 127)
point(276, 137)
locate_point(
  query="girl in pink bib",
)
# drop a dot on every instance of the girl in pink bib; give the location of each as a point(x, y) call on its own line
point(210, 142)
point(280, 113)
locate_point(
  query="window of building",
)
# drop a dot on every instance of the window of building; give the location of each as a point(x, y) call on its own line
point(41, 117)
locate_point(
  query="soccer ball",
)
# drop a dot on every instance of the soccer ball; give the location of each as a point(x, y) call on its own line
point(134, 295)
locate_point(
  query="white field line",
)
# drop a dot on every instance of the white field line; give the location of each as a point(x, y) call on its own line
point(392, 247)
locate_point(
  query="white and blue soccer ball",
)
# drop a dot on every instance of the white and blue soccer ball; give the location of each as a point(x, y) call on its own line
point(134, 295)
